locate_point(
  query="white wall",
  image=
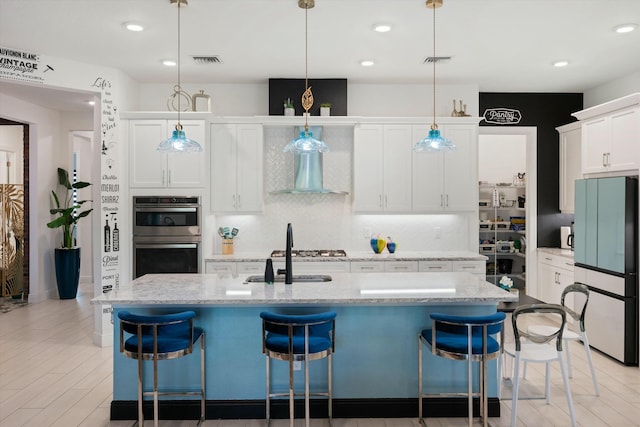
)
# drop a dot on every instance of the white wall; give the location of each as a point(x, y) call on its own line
point(612, 90)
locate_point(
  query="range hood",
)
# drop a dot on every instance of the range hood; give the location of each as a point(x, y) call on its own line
point(307, 177)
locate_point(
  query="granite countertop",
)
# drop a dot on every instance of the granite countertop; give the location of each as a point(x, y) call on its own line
point(358, 256)
point(567, 253)
point(344, 289)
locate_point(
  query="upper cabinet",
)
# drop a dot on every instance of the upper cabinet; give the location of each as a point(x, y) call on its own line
point(382, 168)
point(149, 168)
point(570, 163)
point(446, 181)
point(610, 136)
point(236, 168)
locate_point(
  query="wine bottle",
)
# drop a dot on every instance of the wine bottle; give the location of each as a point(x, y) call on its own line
point(107, 236)
point(115, 236)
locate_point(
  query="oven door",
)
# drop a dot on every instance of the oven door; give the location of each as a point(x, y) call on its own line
point(163, 220)
point(157, 255)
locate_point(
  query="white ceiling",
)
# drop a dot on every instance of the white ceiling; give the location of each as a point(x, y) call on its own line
point(500, 45)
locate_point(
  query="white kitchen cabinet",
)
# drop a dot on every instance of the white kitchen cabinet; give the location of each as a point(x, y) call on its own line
point(610, 136)
point(367, 267)
point(477, 268)
point(435, 266)
point(236, 168)
point(570, 140)
point(554, 274)
point(401, 266)
point(220, 267)
point(382, 168)
point(446, 181)
point(149, 168)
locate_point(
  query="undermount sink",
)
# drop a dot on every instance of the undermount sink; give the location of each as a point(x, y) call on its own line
point(296, 278)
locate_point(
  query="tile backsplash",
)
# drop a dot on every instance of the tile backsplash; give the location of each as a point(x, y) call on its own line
point(327, 221)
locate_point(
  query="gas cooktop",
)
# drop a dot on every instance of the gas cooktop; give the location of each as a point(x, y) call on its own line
point(318, 253)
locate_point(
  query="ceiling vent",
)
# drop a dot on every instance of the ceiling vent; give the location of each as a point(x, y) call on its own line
point(438, 59)
point(209, 59)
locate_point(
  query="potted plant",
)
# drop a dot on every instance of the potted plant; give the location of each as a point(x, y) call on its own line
point(325, 109)
point(67, 256)
point(288, 108)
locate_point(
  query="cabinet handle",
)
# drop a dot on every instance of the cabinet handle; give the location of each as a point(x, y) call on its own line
point(233, 198)
point(380, 200)
point(608, 159)
point(447, 201)
point(386, 202)
point(435, 267)
point(548, 259)
point(239, 202)
point(604, 161)
point(169, 180)
point(441, 201)
point(365, 267)
point(467, 267)
point(400, 267)
point(163, 182)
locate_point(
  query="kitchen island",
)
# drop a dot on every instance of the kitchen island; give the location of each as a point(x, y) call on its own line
point(375, 364)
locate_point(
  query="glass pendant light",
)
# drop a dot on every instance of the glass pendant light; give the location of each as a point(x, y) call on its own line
point(434, 141)
point(178, 142)
point(306, 143)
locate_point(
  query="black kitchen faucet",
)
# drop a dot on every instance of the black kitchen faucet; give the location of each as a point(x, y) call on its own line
point(288, 268)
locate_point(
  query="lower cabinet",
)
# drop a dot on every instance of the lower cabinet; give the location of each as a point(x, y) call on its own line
point(477, 268)
point(554, 274)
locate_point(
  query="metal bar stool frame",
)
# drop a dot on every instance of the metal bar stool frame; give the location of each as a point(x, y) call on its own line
point(491, 325)
point(305, 322)
point(142, 325)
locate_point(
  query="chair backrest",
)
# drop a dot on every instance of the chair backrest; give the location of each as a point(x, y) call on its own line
point(580, 293)
point(175, 325)
point(521, 322)
point(317, 324)
point(468, 327)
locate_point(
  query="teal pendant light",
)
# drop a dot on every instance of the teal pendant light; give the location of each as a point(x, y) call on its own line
point(178, 142)
point(434, 141)
point(306, 143)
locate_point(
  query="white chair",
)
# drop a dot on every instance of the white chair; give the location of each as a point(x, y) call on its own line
point(580, 294)
point(538, 349)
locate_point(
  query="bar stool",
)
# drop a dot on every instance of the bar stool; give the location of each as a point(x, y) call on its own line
point(298, 338)
point(580, 294)
point(161, 337)
point(471, 338)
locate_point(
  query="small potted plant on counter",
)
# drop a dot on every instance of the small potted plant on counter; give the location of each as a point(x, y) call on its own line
point(288, 108)
point(67, 256)
point(325, 109)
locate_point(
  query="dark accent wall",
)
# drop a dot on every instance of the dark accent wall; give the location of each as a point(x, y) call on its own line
point(546, 111)
point(333, 91)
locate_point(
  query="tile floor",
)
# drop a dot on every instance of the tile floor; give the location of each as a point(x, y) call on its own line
point(51, 374)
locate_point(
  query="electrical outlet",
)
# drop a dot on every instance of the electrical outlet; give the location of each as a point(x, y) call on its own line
point(437, 232)
point(367, 233)
point(297, 365)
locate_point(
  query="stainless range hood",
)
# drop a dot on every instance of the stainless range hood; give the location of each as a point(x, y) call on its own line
point(307, 177)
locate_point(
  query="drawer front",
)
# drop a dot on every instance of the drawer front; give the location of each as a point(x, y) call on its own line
point(401, 266)
point(315, 267)
point(596, 279)
point(435, 266)
point(214, 267)
point(366, 267)
point(251, 267)
point(473, 267)
point(556, 261)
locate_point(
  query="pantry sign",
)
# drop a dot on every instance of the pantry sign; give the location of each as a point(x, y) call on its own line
point(502, 116)
point(23, 66)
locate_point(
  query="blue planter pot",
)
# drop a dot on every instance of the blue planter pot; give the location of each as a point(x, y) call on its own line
point(67, 271)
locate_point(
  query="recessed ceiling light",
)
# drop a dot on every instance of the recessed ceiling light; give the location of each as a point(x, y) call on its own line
point(367, 63)
point(560, 64)
point(382, 28)
point(169, 62)
point(625, 28)
point(91, 103)
point(133, 26)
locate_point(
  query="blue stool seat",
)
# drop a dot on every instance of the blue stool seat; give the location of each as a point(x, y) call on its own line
point(471, 338)
point(161, 337)
point(298, 338)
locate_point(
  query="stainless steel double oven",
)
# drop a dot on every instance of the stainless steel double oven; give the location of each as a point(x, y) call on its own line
point(167, 235)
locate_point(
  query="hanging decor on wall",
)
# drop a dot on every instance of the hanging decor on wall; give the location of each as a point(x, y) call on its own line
point(434, 141)
point(178, 142)
point(306, 143)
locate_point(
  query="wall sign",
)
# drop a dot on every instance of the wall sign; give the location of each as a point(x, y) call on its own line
point(502, 116)
point(23, 66)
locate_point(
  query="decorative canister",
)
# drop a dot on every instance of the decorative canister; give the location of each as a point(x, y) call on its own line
point(227, 246)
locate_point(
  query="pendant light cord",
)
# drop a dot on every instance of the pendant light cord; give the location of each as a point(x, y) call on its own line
point(306, 62)
point(179, 125)
point(434, 126)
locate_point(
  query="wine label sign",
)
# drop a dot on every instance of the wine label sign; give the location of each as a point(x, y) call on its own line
point(502, 116)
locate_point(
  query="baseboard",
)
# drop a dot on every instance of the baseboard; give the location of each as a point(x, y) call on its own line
point(342, 408)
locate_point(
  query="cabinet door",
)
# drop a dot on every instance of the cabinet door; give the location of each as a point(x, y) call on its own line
point(570, 168)
point(147, 167)
point(367, 168)
point(396, 162)
point(611, 224)
point(461, 169)
point(249, 168)
point(187, 170)
point(547, 282)
point(596, 138)
point(223, 167)
point(624, 153)
point(427, 176)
